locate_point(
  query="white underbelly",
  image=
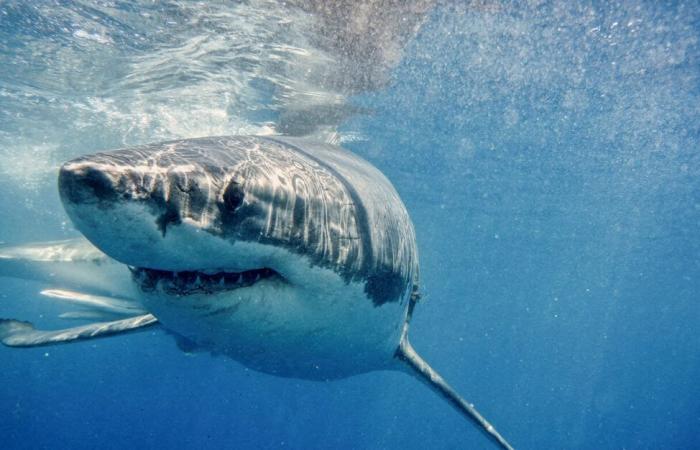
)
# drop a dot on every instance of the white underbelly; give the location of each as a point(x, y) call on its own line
point(330, 331)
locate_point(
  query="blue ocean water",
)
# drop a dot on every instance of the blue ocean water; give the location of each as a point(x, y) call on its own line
point(548, 155)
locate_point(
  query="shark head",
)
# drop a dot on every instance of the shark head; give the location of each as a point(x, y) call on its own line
point(294, 258)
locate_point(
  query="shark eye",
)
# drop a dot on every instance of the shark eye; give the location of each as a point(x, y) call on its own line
point(233, 196)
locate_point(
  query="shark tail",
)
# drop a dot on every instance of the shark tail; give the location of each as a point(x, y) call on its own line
point(418, 367)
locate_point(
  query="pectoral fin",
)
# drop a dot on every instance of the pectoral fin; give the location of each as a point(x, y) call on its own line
point(413, 364)
point(15, 333)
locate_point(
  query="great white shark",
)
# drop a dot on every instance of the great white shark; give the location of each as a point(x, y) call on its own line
point(295, 258)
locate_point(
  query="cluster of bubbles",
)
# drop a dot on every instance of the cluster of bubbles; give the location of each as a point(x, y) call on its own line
point(565, 105)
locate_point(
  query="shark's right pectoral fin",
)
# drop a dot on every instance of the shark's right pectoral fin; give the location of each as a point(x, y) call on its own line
point(15, 333)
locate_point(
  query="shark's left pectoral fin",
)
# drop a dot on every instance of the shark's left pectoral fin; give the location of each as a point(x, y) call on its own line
point(16, 333)
point(413, 364)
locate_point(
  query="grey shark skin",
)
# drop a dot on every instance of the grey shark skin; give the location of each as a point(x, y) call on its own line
point(293, 257)
point(323, 231)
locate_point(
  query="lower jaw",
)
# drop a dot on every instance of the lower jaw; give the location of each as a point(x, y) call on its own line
point(235, 325)
point(270, 327)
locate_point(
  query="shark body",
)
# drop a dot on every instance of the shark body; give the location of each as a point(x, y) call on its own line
point(293, 257)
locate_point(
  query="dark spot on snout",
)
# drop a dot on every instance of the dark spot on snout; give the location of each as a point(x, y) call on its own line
point(167, 212)
point(171, 216)
point(86, 185)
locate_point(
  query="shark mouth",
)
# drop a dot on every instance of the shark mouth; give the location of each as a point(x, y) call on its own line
point(193, 282)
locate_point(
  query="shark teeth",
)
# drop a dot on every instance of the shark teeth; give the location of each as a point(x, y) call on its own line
point(191, 282)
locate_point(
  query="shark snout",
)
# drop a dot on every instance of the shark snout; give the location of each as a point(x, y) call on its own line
point(146, 215)
point(111, 184)
point(93, 192)
point(84, 183)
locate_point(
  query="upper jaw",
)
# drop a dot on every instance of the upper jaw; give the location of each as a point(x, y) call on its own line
point(199, 282)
